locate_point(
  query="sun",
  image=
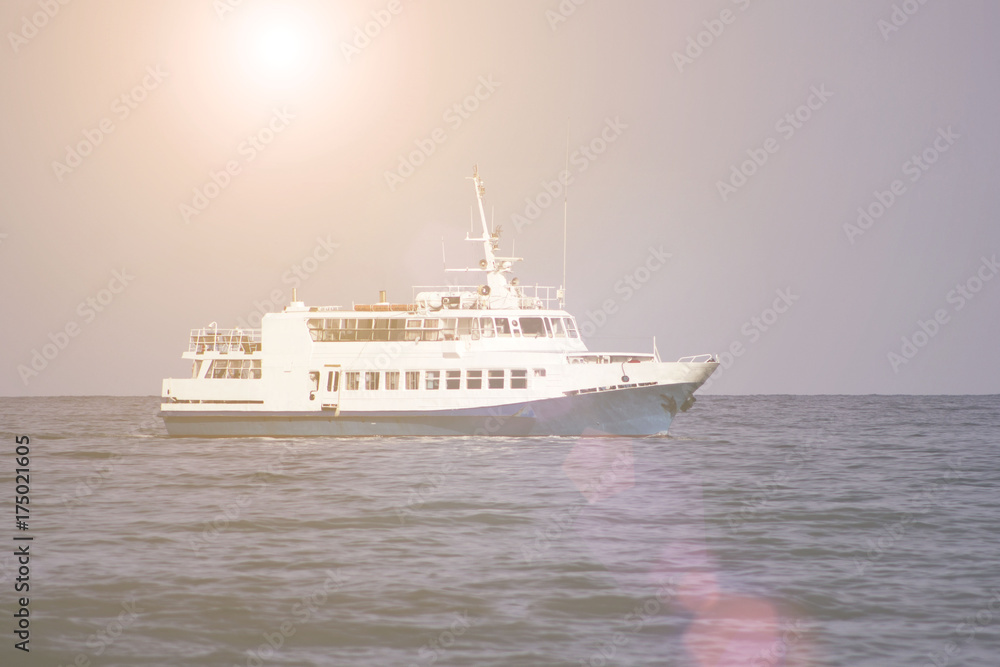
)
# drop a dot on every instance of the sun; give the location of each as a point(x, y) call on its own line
point(276, 44)
point(279, 50)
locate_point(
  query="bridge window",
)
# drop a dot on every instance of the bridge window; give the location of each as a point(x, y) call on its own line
point(533, 327)
point(570, 327)
point(488, 329)
point(503, 327)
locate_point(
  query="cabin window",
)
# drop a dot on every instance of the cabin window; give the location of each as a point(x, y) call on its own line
point(333, 381)
point(503, 327)
point(413, 329)
point(412, 380)
point(234, 369)
point(396, 329)
point(539, 372)
point(314, 378)
point(371, 379)
point(453, 379)
point(423, 330)
point(350, 329)
point(533, 327)
point(352, 381)
point(558, 330)
point(488, 330)
point(392, 380)
point(473, 379)
point(432, 330)
point(365, 329)
point(448, 327)
point(434, 380)
point(571, 327)
point(381, 331)
point(324, 330)
point(519, 379)
point(468, 327)
point(496, 379)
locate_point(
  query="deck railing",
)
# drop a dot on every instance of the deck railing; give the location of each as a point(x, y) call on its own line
point(530, 296)
point(698, 359)
point(226, 341)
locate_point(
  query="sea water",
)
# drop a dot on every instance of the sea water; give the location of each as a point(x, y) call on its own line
point(775, 530)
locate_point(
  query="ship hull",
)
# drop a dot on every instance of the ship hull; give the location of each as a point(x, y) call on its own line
point(639, 411)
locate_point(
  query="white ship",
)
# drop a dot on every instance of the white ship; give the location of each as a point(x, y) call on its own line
point(497, 358)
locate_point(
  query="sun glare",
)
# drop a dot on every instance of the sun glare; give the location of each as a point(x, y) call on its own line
point(279, 50)
point(277, 45)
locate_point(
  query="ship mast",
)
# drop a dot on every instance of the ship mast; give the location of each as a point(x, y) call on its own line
point(489, 240)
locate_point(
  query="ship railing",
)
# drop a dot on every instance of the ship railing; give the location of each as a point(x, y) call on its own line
point(609, 358)
point(697, 359)
point(225, 341)
point(530, 297)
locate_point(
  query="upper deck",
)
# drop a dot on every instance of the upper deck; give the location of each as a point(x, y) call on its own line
point(224, 341)
point(443, 324)
point(482, 297)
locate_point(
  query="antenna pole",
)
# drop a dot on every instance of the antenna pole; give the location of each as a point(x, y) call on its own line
point(565, 215)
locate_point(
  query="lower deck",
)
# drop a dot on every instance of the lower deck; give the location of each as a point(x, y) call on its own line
point(633, 411)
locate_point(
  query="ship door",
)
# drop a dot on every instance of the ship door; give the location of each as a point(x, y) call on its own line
point(329, 390)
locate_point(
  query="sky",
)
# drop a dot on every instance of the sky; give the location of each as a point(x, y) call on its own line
point(807, 189)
